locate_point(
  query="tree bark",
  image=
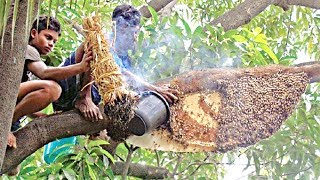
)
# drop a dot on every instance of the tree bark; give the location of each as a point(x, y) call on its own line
point(11, 65)
point(44, 130)
point(141, 171)
point(244, 12)
point(157, 5)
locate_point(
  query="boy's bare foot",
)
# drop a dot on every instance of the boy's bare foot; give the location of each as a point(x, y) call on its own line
point(12, 141)
point(89, 110)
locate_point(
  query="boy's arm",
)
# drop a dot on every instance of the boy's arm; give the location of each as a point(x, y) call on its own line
point(41, 70)
point(136, 82)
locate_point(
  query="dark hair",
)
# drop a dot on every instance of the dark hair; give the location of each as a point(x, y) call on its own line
point(127, 12)
point(44, 22)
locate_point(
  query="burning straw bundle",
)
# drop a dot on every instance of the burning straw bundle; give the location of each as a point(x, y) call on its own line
point(107, 75)
point(105, 71)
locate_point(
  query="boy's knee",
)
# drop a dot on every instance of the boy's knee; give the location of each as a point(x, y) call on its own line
point(53, 89)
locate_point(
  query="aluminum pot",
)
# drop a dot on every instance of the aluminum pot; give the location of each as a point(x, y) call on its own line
point(151, 111)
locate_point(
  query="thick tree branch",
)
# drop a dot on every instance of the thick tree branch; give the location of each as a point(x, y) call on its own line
point(44, 130)
point(315, 4)
point(141, 171)
point(157, 5)
point(244, 12)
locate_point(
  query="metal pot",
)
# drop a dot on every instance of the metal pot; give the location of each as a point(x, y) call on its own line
point(152, 110)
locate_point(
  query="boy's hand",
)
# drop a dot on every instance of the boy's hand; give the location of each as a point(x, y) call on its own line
point(168, 93)
point(87, 57)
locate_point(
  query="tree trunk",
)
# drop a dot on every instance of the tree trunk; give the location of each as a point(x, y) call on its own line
point(11, 65)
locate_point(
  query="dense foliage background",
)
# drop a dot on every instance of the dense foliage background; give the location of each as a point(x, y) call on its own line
point(181, 40)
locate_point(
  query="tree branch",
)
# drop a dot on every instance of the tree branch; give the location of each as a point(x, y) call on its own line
point(44, 130)
point(157, 5)
point(315, 4)
point(128, 161)
point(141, 171)
point(244, 12)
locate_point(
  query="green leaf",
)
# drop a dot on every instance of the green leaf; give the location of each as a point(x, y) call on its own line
point(230, 33)
point(69, 174)
point(91, 173)
point(267, 49)
point(98, 142)
point(186, 27)
point(261, 38)
point(239, 38)
point(256, 162)
point(109, 173)
point(103, 152)
point(198, 32)
point(154, 14)
point(257, 31)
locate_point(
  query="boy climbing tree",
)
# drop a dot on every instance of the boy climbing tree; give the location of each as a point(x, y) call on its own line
point(35, 95)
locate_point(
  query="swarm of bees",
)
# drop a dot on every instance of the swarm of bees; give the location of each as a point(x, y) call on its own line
point(240, 113)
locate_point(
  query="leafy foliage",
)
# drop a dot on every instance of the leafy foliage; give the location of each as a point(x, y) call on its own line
point(86, 160)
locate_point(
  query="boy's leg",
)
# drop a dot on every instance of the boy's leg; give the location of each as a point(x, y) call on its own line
point(33, 96)
point(84, 103)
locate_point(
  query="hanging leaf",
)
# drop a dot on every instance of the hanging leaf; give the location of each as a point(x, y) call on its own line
point(267, 49)
point(155, 18)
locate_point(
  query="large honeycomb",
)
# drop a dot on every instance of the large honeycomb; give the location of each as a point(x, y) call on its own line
point(236, 110)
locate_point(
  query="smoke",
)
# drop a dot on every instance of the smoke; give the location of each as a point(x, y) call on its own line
point(164, 49)
point(168, 52)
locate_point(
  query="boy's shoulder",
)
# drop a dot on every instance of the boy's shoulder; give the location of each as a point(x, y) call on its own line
point(32, 54)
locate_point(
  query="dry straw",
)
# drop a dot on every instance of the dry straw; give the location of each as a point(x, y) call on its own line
point(105, 71)
point(118, 101)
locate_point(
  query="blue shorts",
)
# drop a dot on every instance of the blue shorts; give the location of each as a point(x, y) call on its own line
point(71, 88)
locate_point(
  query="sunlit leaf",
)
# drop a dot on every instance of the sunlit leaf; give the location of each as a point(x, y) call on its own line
point(154, 14)
point(91, 173)
point(186, 27)
point(97, 143)
point(239, 38)
point(269, 52)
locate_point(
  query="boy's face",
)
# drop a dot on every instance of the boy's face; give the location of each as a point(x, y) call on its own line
point(127, 31)
point(44, 41)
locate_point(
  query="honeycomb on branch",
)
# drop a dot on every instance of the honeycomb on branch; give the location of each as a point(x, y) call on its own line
point(247, 110)
point(223, 110)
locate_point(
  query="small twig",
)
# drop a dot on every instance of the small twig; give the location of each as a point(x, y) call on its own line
point(297, 172)
point(158, 158)
point(197, 168)
point(178, 164)
point(200, 164)
point(76, 26)
point(288, 33)
point(131, 149)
